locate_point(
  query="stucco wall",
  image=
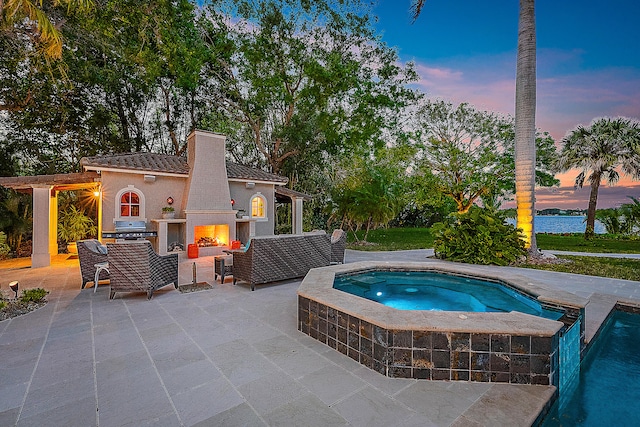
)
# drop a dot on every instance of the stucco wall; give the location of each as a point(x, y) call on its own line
point(242, 196)
point(155, 194)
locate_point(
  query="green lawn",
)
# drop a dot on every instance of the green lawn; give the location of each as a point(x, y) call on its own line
point(575, 242)
point(616, 268)
point(392, 239)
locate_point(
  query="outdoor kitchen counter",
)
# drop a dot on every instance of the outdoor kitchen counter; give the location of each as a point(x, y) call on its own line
point(169, 231)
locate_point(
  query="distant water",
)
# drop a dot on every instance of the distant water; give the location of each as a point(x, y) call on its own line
point(562, 224)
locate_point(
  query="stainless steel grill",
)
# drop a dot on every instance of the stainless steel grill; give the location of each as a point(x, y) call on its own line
point(129, 230)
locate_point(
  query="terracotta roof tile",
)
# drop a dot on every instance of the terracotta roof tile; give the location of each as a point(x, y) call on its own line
point(237, 171)
point(147, 162)
point(290, 194)
point(153, 162)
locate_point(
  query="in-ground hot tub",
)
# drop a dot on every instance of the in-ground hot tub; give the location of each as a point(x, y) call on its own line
point(437, 291)
point(508, 347)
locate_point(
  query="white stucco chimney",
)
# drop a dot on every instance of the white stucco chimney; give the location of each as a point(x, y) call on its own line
point(207, 186)
point(208, 200)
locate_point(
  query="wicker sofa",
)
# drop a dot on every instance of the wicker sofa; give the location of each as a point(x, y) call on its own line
point(136, 267)
point(274, 258)
point(90, 253)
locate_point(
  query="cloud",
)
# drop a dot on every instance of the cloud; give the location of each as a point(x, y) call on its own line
point(471, 83)
point(567, 96)
point(429, 74)
point(567, 101)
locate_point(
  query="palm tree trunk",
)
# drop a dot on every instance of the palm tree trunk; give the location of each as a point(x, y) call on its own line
point(591, 211)
point(525, 123)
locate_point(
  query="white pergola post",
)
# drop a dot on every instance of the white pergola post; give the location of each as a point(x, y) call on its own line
point(99, 215)
point(42, 233)
point(53, 223)
point(296, 215)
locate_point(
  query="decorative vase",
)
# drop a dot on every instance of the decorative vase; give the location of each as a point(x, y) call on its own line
point(168, 215)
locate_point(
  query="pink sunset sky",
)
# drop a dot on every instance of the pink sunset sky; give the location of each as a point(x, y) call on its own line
point(588, 67)
point(563, 103)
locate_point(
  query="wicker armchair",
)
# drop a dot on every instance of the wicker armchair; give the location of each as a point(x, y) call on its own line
point(90, 253)
point(136, 267)
point(338, 246)
point(274, 258)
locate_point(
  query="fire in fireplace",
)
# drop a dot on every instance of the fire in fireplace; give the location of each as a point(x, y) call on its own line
point(211, 235)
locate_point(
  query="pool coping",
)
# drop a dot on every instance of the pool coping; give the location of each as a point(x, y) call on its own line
point(318, 286)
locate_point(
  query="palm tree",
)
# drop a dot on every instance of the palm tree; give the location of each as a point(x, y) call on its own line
point(525, 147)
point(525, 120)
point(47, 33)
point(598, 151)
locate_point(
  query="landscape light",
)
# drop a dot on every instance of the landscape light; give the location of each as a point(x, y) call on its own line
point(14, 287)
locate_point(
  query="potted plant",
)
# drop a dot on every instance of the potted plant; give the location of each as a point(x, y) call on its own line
point(74, 225)
point(168, 212)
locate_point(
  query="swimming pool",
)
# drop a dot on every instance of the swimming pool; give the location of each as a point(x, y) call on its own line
point(436, 291)
point(606, 391)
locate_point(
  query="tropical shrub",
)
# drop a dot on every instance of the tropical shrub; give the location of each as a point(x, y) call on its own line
point(15, 217)
point(623, 220)
point(29, 300)
point(479, 236)
point(612, 220)
point(33, 295)
point(74, 224)
point(4, 248)
point(631, 213)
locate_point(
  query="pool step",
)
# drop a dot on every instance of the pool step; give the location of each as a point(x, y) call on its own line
point(596, 312)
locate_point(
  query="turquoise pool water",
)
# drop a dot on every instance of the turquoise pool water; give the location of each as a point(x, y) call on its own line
point(426, 290)
point(606, 392)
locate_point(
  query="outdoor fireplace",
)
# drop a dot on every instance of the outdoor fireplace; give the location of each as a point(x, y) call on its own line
point(210, 218)
point(211, 235)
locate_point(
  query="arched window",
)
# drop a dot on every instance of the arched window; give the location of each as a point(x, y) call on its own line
point(130, 204)
point(258, 206)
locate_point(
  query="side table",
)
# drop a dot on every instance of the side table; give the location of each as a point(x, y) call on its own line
point(223, 266)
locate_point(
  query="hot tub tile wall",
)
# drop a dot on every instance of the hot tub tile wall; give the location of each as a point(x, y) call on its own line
point(433, 355)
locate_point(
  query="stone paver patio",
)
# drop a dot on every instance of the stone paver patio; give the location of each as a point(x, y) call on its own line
point(226, 357)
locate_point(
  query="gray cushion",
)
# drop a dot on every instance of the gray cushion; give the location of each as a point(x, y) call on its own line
point(92, 245)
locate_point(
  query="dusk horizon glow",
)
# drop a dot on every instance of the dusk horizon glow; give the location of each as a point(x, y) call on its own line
point(588, 67)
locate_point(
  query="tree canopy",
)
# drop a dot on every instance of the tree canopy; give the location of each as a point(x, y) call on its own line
point(305, 78)
point(40, 21)
point(471, 153)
